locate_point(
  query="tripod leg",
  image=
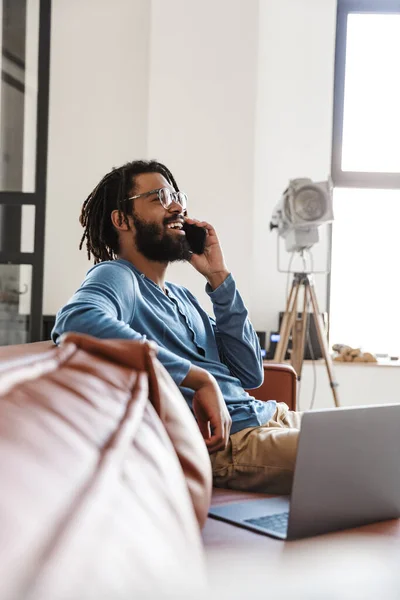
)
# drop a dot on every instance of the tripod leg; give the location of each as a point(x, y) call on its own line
point(324, 345)
point(287, 323)
point(299, 336)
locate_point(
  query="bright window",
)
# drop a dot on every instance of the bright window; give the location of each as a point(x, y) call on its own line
point(371, 125)
point(365, 283)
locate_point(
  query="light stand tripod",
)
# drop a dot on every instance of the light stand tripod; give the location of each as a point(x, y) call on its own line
point(297, 326)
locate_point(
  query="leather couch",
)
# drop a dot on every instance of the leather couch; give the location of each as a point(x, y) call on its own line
point(105, 479)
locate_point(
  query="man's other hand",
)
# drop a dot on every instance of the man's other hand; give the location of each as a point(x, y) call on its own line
point(209, 408)
point(212, 416)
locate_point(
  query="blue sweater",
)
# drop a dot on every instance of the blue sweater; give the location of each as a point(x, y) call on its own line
point(117, 301)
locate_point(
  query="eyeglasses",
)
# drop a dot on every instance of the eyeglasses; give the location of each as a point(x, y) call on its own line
point(166, 197)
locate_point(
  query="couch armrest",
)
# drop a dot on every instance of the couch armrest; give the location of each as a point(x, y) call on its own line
point(280, 384)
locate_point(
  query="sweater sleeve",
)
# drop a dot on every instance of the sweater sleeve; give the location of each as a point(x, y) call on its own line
point(237, 341)
point(104, 306)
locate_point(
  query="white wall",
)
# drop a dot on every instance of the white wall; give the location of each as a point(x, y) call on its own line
point(98, 120)
point(293, 131)
point(203, 78)
point(235, 97)
point(359, 384)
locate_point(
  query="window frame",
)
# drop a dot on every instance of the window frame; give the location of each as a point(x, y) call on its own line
point(38, 197)
point(355, 179)
point(351, 179)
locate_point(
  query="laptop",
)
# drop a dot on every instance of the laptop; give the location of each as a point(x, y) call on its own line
point(347, 474)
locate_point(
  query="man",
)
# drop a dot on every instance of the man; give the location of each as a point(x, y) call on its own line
point(133, 228)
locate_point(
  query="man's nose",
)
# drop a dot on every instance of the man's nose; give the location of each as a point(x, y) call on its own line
point(175, 207)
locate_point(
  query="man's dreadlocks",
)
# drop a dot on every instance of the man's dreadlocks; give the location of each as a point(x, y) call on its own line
point(111, 194)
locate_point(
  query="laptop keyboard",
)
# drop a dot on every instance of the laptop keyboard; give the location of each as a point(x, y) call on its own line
point(277, 523)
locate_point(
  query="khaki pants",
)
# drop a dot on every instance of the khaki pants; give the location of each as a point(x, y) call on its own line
point(260, 459)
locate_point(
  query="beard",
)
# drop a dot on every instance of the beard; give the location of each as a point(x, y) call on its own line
point(156, 244)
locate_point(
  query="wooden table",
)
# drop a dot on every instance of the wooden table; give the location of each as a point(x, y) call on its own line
point(361, 563)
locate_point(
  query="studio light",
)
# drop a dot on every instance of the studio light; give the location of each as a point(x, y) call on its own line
point(304, 206)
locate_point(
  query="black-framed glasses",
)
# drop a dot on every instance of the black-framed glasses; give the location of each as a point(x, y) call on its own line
point(166, 197)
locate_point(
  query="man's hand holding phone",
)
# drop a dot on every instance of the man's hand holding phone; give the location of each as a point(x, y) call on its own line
point(211, 262)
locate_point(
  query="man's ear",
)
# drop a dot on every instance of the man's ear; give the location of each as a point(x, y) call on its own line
point(117, 219)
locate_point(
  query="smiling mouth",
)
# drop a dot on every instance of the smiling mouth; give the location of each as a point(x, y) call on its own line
point(176, 226)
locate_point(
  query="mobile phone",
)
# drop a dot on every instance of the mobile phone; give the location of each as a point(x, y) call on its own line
point(196, 237)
